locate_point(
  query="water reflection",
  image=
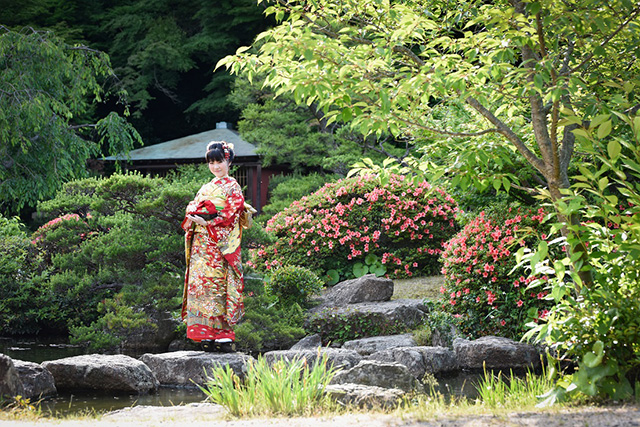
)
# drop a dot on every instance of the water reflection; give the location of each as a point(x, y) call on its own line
point(38, 351)
point(99, 402)
point(459, 385)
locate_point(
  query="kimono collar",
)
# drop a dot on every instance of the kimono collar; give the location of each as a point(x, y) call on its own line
point(221, 179)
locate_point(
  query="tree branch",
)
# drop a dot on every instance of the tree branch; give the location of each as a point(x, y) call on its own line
point(86, 125)
point(503, 129)
point(607, 39)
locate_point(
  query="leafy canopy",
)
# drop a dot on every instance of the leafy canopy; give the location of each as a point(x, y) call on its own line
point(456, 69)
point(48, 88)
point(163, 51)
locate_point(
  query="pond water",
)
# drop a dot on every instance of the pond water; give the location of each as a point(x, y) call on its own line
point(459, 385)
point(41, 350)
point(38, 351)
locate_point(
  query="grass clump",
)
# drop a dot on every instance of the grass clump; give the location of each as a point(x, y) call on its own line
point(512, 392)
point(497, 393)
point(286, 388)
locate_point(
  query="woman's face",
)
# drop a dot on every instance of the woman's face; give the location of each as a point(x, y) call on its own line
point(219, 169)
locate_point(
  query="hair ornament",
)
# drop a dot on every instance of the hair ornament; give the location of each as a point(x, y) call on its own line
point(226, 147)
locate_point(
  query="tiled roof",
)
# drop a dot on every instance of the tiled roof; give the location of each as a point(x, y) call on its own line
point(190, 147)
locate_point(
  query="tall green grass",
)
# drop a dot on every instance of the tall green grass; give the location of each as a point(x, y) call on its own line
point(496, 390)
point(496, 393)
point(287, 388)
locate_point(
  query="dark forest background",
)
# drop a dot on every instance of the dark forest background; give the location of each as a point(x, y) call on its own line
point(163, 52)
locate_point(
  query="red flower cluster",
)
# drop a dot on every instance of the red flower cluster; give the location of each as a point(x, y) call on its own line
point(42, 230)
point(477, 265)
point(403, 225)
point(62, 234)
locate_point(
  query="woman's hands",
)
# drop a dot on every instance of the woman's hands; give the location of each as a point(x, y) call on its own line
point(197, 219)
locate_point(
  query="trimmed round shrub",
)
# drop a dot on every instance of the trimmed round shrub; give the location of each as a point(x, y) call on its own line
point(293, 284)
point(480, 289)
point(363, 225)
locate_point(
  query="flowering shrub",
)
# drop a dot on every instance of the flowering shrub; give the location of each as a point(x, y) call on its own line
point(61, 235)
point(480, 290)
point(401, 224)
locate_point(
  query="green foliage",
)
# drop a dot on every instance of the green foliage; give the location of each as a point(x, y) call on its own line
point(163, 52)
point(112, 256)
point(440, 327)
point(497, 390)
point(501, 86)
point(286, 133)
point(595, 325)
point(286, 189)
point(401, 222)
point(285, 388)
point(268, 325)
point(21, 298)
point(116, 322)
point(482, 286)
point(372, 265)
point(341, 327)
point(422, 335)
point(325, 53)
point(47, 89)
point(292, 284)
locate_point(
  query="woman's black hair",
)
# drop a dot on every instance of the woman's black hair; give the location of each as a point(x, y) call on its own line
point(218, 151)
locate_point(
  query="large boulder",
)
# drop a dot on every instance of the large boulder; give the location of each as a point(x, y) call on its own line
point(191, 368)
point(336, 357)
point(379, 374)
point(102, 372)
point(364, 396)
point(156, 336)
point(36, 380)
point(407, 313)
point(495, 353)
point(309, 342)
point(10, 384)
point(367, 346)
point(420, 360)
point(368, 288)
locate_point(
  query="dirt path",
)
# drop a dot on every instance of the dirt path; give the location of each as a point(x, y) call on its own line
point(201, 415)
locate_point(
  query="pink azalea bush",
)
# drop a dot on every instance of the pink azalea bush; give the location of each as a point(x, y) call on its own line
point(62, 235)
point(480, 290)
point(399, 226)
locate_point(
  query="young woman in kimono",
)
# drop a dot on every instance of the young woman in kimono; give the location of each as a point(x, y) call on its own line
point(212, 300)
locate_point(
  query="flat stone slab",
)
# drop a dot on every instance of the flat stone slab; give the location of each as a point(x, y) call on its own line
point(337, 357)
point(187, 368)
point(364, 396)
point(151, 415)
point(102, 372)
point(407, 312)
point(379, 374)
point(420, 360)
point(367, 346)
point(495, 353)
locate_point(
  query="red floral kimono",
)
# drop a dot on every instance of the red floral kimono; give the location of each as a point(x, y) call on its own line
point(212, 301)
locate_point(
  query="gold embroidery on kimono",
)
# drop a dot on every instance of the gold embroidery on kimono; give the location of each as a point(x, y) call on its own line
point(212, 298)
